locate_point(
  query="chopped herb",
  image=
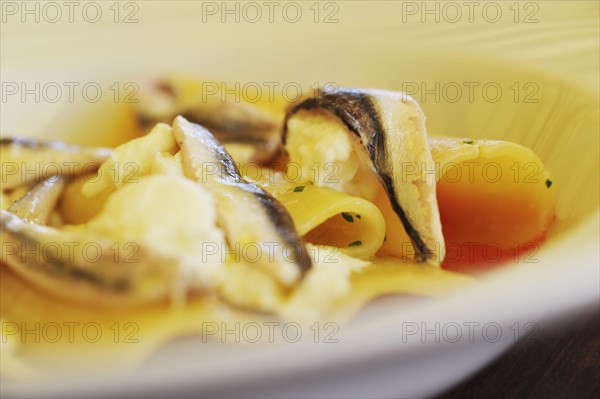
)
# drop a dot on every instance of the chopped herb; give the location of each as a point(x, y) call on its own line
point(385, 238)
point(468, 141)
point(347, 217)
point(355, 243)
point(357, 216)
point(298, 189)
point(548, 183)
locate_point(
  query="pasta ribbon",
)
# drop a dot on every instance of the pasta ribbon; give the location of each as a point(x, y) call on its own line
point(328, 217)
point(495, 199)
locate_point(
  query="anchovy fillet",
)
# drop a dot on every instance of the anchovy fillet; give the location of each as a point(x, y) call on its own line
point(248, 214)
point(228, 121)
point(74, 264)
point(384, 121)
point(84, 268)
point(36, 205)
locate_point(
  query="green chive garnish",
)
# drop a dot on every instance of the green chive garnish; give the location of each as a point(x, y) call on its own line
point(298, 189)
point(357, 216)
point(347, 217)
point(468, 141)
point(548, 183)
point(355, 243)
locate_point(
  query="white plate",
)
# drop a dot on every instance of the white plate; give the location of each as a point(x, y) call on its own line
point(548, 49)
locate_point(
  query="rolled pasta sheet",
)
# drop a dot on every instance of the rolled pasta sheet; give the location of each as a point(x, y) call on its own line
point(328, 217)
point(495, 198)
point(370, 135)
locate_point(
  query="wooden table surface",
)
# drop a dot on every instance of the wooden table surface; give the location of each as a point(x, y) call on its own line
point(563, 363)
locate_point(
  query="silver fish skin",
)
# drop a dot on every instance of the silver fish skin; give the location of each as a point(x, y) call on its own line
point(229, 121)
point(36, 205)
point(247, 213)
point(55, 261)
point(386, 123)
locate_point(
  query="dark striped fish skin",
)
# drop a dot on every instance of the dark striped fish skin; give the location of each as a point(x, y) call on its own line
point(236, 123)
point(114, 279)
point(111, 280)
point(47, 159)
point(59, 272)
point(242, 206)
point(229, 121)
point(360, 112)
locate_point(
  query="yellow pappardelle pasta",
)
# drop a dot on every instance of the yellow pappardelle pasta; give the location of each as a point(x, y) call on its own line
point(495, 198)
point(170, 234)
point(495, 194)
point(330, 217)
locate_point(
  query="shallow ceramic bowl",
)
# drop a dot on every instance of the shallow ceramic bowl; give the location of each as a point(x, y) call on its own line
point(543, 57)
